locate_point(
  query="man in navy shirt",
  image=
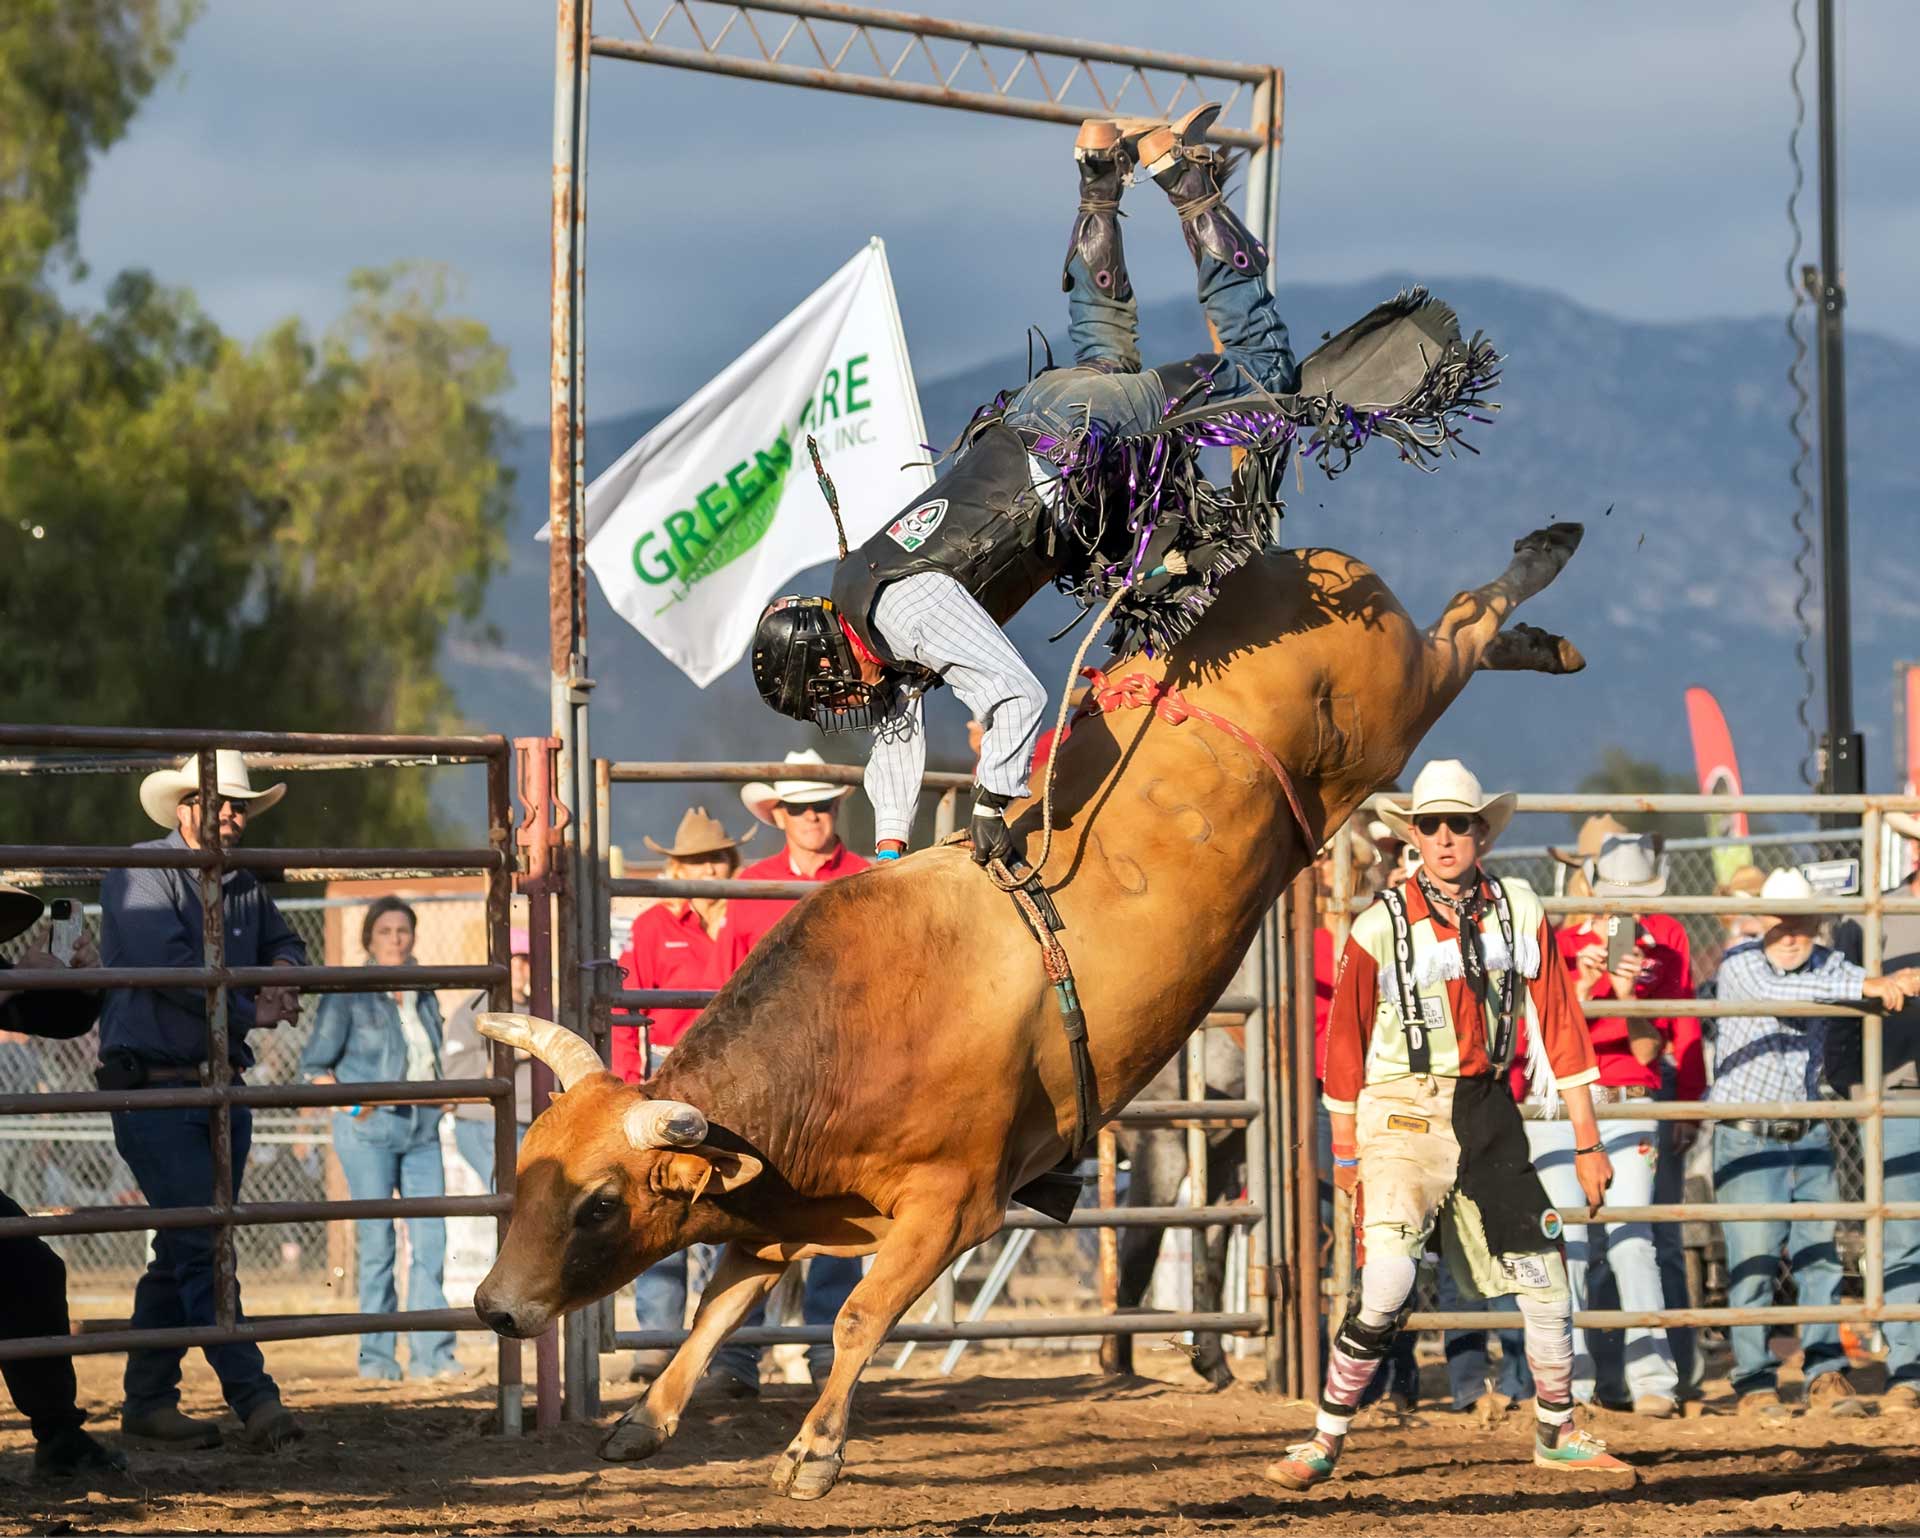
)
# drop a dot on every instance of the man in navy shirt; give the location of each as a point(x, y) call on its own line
point(152, 918)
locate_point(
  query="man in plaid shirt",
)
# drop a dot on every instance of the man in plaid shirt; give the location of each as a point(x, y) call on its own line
point(1769, 1159)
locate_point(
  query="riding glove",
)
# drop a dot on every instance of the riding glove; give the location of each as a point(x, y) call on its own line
point(991, 840)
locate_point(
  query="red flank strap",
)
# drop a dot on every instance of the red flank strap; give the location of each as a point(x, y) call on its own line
point(1137, 691)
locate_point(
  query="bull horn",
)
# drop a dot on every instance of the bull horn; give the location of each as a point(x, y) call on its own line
point(570, 1058)
point(665, 1124)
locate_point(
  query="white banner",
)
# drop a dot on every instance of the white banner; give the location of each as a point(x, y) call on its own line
point(701, 522)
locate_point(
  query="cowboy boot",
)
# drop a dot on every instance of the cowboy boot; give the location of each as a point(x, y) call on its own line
point(1192, 173)
point(1105, 152)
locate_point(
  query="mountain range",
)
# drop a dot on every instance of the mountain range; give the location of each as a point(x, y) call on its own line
point(1670, 441)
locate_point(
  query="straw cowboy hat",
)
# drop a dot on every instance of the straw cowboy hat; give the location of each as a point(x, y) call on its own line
point(761, 797)
point(698, 834)
point(165, 789)
point(19, 912)
point(1447, 785)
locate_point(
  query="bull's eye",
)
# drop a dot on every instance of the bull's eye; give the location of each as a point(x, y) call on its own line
point(598, 1208)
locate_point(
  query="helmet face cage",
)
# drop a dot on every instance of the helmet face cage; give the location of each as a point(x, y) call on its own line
point(804, 668)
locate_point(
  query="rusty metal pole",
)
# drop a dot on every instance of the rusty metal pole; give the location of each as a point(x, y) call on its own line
point(511, 1390)
point(1284, 1361)
point(1108, 1149)
point(1306, 1181)
point(536, 834)
point(1873, 1144)
point(219, 1070)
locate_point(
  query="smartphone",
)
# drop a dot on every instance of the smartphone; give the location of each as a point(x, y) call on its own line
point(1623, 935)
point(69, 923)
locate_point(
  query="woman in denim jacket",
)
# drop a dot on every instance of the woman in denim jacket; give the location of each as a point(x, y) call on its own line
point(388, 1149)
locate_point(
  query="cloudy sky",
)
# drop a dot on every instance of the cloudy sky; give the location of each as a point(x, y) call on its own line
point(1631, 155)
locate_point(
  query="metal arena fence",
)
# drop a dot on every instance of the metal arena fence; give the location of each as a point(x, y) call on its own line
point(1869, 1111)
point(934, 1319)
point(128, 750)
point(65, 1161)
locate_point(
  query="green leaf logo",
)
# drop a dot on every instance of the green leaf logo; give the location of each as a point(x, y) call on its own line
point(728, 518)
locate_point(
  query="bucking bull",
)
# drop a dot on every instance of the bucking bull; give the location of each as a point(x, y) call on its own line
point(889, 1064)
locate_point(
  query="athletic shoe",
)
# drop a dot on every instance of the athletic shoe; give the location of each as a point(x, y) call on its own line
point(1833, 1393)
point(1578, 1451)
point(1304, 1466)
point(1655, 1407)
point(1901, 1399)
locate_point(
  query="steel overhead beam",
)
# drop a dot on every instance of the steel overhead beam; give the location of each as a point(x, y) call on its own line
point(913, 35)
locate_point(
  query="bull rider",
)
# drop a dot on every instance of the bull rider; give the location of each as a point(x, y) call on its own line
point(1434, 981)
point(1087, 477)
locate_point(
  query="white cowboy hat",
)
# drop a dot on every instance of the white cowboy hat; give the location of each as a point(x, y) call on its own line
point(761, 797)
point(1447, 785)
point(1787, 884)
point(1628, 865)
point(165, 789)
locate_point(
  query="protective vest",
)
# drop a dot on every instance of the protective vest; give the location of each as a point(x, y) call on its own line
point(1436, 962)
point(981, 523)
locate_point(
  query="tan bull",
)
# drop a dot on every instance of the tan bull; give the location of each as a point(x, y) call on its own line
point(889, 1064)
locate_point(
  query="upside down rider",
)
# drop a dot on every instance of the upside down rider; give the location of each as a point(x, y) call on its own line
point(1087, 477)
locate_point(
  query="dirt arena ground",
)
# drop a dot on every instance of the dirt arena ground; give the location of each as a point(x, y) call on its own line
point(1028, 1442)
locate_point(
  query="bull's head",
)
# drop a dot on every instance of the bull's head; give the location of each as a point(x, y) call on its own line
point(609, 1182)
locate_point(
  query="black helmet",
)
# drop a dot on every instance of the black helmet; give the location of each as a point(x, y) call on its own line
point(804, 667)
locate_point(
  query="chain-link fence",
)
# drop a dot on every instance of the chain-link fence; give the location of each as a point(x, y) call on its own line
point(1696, 868)
point(59, 1162)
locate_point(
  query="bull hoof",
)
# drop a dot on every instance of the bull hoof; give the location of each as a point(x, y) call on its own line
point(634, 1436)
point(1529, 649)
point(1539, 557)
point(801, 1477)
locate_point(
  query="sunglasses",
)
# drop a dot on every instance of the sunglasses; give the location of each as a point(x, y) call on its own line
point(800, 808)
point(238, 808)
point(1459, 824)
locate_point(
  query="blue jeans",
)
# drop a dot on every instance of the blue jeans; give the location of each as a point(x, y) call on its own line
point(1751, 1168)
point(389, 1151)
point(660, 1302)
point(1105, 383)
point(1670, 1188)
point(1903, 1249)
point(1467, 1362)
point(171, 1156)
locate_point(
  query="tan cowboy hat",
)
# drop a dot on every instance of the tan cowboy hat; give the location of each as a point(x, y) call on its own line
point(19, 911)
point(165, 789)
point(1447, 785)
point(761, 797)
point(698, 834)
point(1594, 832)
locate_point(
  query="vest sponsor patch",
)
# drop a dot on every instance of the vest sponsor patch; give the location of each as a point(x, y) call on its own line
point(910, 530)
point(1399, 1123)
point(1527, 1270)
point(1550, 1224)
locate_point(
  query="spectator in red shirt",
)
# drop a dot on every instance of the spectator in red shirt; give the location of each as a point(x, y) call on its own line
point(1652, 959)
point(807, 812)
point(678, 942)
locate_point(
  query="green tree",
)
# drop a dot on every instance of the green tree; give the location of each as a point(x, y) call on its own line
point(197, 532)
point(1620, 773)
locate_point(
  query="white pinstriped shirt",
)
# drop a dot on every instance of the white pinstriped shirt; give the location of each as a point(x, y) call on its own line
point(929, 618)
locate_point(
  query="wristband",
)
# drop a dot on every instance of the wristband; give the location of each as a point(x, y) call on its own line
point(889, 849)
point(981, 809)
point(1597, 1148)
point(886, 854)
point(353, 1110)
point(1345, 1164)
